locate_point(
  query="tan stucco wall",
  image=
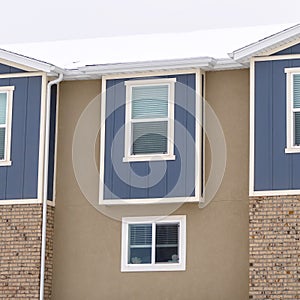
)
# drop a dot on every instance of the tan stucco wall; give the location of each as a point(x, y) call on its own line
point(87, 243)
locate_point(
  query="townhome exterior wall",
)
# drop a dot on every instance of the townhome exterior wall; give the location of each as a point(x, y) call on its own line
point(87, 243)
point(274, 219)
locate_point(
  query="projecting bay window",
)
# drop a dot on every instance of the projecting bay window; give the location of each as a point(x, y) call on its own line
point(153, 244)
point(149, 129)
point(6, 96)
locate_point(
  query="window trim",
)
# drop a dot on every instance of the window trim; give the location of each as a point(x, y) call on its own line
point(7, 144)
point(170, 82)
point(180, 266)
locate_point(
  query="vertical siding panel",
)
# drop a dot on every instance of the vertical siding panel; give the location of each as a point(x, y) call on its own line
point(3, 170)
point(123, 187)
point(4, 69)
point(262, 148)
point(32, 138)
point(295, 158)
point(280, 162)
point(141, 169)
point(15, 70)
point(109, 133)
point(3, 173)
point(291, 50)
point(295, 171)
point(15, 174)
point(191, 143)
point(181, 99)
point(159, 190)
point(284, 52)
point(295, 49)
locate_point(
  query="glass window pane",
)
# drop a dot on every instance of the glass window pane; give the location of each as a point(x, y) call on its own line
point(2, 143)
point(149, 102)
point(3, 100)
point(139, 256)
point(167, 243)
point(150, 137)
point(140, 241)
point(297, 128)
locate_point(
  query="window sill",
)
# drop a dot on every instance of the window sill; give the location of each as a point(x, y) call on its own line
point(292, 150)
point(154, 157)
point(154, 268)
point(147, 201)
point(5, 163)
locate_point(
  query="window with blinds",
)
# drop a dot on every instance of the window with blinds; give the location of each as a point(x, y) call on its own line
point(153, 244)
point(5, 123)
point(149, 118)
point(296, 109)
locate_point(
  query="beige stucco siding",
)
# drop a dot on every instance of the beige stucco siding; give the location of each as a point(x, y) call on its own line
point(87, 244)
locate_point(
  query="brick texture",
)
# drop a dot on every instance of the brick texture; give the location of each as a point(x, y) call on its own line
point(20, 250)
point(274, 232)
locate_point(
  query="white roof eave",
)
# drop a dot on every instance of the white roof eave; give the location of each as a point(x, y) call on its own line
point(204, 63)
point(244, 54)
point(30, 62)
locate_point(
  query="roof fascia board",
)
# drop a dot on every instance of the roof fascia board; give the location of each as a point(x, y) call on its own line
point(150, 65)
point(28, 62)
point(266, 44)
point(206, 64)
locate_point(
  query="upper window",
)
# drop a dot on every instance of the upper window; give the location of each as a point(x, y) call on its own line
point(6, 96)
point(153, 243)
point(149, 120)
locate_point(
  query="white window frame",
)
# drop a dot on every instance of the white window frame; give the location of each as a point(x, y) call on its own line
point(128, 157)
point(290, 145)
point(8, 90)
point(180, 266)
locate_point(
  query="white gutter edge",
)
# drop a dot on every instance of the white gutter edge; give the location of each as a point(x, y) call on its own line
point(205, 63)
point(263, 45)
point(45, 186)
point(28, 61)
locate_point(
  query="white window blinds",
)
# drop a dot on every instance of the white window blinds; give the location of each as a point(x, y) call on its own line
point(149, 119)
point(296, 108)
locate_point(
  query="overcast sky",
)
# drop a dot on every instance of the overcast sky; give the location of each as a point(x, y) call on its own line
point(38, 20)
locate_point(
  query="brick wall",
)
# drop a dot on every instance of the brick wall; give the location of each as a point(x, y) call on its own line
point(20, 250)
point(49, 253)
point(274, 232)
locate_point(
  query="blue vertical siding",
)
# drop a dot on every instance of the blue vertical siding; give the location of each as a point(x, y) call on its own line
point(291, 50)
point(179, 178)
point(5, 69)
point(52, 141)
point(20, 180)
point(273, 168)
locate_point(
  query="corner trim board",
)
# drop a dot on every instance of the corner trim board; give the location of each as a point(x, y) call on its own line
point(252, 129)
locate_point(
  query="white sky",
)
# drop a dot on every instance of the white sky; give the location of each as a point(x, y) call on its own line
point(37, 20)
point(136, 30)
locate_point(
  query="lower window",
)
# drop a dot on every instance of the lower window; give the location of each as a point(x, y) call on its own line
point(153, 243)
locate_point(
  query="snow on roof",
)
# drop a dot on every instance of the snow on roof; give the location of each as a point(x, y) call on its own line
point(216, 43)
